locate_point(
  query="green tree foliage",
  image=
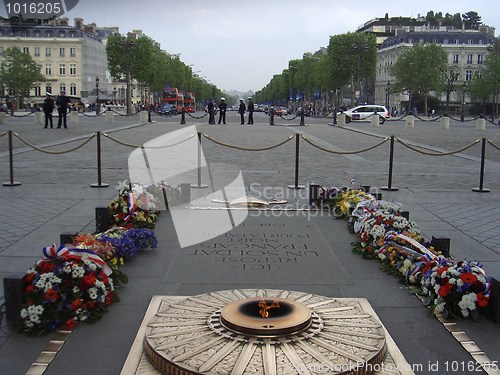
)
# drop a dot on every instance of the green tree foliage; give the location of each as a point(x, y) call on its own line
point(471, 20)
point(419, 70)
point(487, 80)
point(19, 72)
point(353, 57)
point(151, 66)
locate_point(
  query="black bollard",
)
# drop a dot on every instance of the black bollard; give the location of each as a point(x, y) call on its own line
point(302, 122)
point(13, 288)
point(102, 219)
point(183, 117)
point(441, 244)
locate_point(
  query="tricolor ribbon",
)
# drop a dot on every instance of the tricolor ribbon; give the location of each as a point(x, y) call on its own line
point(131, 206)
point(50, 252)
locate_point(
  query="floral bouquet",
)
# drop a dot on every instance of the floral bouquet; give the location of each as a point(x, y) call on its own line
point(380, 218)
point(455, 289)
point(134, 207)
point(128, 242)
point(66, 287)
point(346, 201)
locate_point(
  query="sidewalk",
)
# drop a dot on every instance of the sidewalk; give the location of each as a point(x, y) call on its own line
point(55, 197)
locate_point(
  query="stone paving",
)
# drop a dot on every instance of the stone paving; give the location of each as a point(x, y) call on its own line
point(55, 197)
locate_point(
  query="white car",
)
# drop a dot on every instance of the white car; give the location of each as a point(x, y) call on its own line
point(364, 112)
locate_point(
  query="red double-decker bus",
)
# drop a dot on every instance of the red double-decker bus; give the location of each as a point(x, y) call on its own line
point(172, 96)
point(189, 101)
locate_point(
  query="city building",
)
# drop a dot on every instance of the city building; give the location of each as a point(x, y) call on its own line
point(467, 51)
point(72, 58)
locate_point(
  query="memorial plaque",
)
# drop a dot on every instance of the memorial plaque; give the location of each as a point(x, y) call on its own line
point(268, 247)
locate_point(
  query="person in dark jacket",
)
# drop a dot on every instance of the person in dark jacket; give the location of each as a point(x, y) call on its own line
point(48, 108)
point(242, 108)
point(62, 103)
point(222, 110)
point(250, 108)
point(211, 112)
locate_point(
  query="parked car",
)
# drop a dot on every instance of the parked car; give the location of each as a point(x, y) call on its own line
point(168, 110)
point(364, 112)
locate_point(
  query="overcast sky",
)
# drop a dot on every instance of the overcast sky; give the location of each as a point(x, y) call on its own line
point(242, 44)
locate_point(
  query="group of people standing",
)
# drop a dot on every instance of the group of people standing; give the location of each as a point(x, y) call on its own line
point(223, 109)
point(62, 103)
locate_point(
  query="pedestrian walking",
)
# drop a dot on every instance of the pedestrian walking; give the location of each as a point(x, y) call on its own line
point(242, 108)
point(222, 111)
point(251, 108)
point(48, 108)
point(62, 103)
point(211, 112)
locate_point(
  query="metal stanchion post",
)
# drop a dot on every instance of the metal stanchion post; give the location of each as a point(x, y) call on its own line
point(389, 186)
point(199, 185)
point(302, 123)
point(271, 117)
point(99, 171)
point(11, 164)
point(297, 160)
point(183, 117)
point(481, 188)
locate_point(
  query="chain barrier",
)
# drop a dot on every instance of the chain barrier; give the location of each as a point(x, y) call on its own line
point(491, 121)
point(464, 120)
point(399, 118)
point(53, 152)
point(413, 148)
point(424, 120)
point(314, 144)
point(493, 144)
point(2, 134)
point(94, 116)
point(247, 148)
point(197, 117)
point(151, 147)
point(288, 119)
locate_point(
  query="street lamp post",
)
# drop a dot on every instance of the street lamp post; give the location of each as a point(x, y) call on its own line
point(97, 95)
point(462, 104)
point(387, 94)
point(493, 47)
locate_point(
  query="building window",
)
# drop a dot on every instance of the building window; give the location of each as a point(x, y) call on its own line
point(455, 58)
point(48, 69)
point(72, 69)
point(26, 50)
point(480, 59)
point(469, 58)
point(62, 87)
point(48, 52)
point(37, 51)
point(457, 41)
point(72, 52)
point(62, 69)
point(36, 33)
point(468, 75)
point(72, 34)
point(48, 34)
point(38, 90)
point(48, 88)
point(61, 52)
point(72, 89)
point(62, 34)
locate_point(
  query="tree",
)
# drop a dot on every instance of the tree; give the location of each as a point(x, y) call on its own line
point(471, 20)
point(449, 78)
point(19, 72)
point(353, 58)
point(418, 70)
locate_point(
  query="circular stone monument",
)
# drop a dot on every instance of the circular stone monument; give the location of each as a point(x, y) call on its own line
point(264, 332)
